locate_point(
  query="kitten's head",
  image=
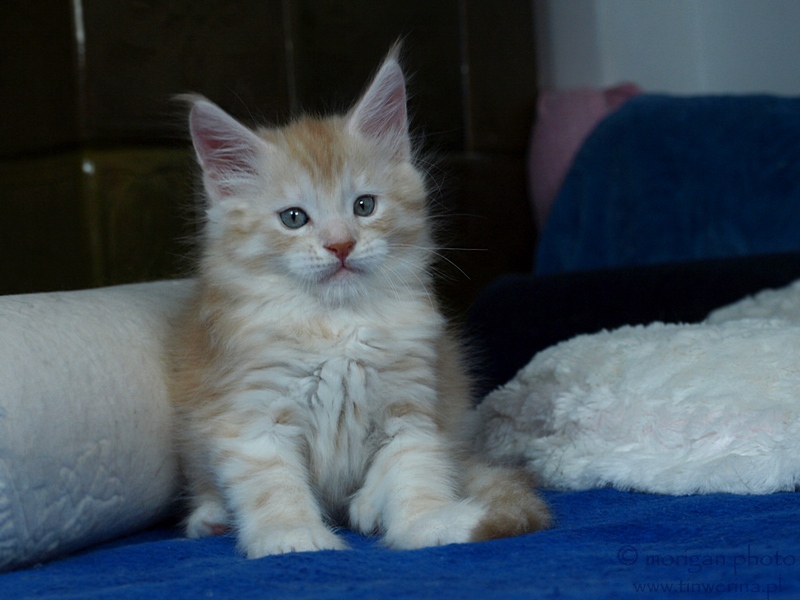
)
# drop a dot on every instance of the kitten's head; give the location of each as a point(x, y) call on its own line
point(330, 207)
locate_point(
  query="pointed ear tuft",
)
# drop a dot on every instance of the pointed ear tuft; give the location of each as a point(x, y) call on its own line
point(381, 112)
point(227, 151)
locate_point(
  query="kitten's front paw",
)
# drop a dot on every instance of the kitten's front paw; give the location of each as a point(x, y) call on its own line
point(280, 540)
point(210, 518)
point(452, 524)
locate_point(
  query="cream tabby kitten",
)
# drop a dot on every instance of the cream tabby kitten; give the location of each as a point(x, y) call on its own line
point(314, 379)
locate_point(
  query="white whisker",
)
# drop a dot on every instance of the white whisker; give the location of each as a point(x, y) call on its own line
point(414, 271)
point(439, 253)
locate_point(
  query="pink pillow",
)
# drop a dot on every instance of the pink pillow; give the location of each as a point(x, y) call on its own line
point(564, 119)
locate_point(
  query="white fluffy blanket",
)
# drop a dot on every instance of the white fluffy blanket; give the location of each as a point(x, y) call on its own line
point(674, 409)
point(85, 440)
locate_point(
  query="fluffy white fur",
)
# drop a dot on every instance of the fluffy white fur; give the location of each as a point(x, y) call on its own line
point(783, 304)
point(675, 409)
point(85, 418)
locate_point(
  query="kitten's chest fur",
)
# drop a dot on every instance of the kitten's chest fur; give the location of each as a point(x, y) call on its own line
point(340, 402)
point(337, 377)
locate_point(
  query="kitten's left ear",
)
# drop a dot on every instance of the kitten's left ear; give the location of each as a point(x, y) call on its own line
point(381, 113)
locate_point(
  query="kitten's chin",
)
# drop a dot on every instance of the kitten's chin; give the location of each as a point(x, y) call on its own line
point(344, 274)
point(341, 286)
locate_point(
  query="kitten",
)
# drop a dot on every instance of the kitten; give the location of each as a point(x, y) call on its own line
point(315, 381)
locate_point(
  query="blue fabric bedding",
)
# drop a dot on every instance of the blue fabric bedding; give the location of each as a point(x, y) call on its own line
point(606, 544)
point(670, 179)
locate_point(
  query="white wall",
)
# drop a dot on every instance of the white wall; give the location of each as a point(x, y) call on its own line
point(676, 46)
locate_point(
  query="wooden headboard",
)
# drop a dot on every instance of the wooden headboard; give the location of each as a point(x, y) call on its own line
point(94, 159)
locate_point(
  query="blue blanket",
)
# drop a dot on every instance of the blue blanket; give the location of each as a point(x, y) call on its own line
point(670, 179)
point(607, 543)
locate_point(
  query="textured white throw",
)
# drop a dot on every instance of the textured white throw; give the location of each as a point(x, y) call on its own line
point(85, 451)
point(674, 409)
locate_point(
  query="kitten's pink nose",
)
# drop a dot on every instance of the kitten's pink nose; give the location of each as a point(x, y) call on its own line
point(341, 249)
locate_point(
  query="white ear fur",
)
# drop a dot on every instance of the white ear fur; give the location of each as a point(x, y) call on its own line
point(227, 151)
point(381, 114)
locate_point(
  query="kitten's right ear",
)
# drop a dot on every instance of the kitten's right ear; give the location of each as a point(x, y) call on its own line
point(227, 151)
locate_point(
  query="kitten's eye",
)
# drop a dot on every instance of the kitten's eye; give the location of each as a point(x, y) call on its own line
point(294, 218)
point(364, 206)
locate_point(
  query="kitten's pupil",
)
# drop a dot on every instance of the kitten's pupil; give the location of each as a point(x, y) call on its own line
point(294, 218)
point(364, 206)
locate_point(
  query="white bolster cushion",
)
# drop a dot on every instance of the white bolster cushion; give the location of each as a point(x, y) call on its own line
point(85, 419)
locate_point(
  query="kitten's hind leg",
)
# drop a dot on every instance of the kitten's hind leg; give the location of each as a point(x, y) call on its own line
point(207, 512)
point(514, 508)
point(208, 517)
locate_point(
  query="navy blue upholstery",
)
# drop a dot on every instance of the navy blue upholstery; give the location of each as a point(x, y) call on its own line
point(669, 179)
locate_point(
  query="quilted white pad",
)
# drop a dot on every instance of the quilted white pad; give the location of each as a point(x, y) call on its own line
point(85, 453)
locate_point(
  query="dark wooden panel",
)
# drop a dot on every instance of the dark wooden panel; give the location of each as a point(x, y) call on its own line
point(95, 218)
point(338, 45)
point(44, 234)
point(142, 206)
point(102, 214)
point(142, 52)
point(486, 219)
point(37, 76)
point(502, 74)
